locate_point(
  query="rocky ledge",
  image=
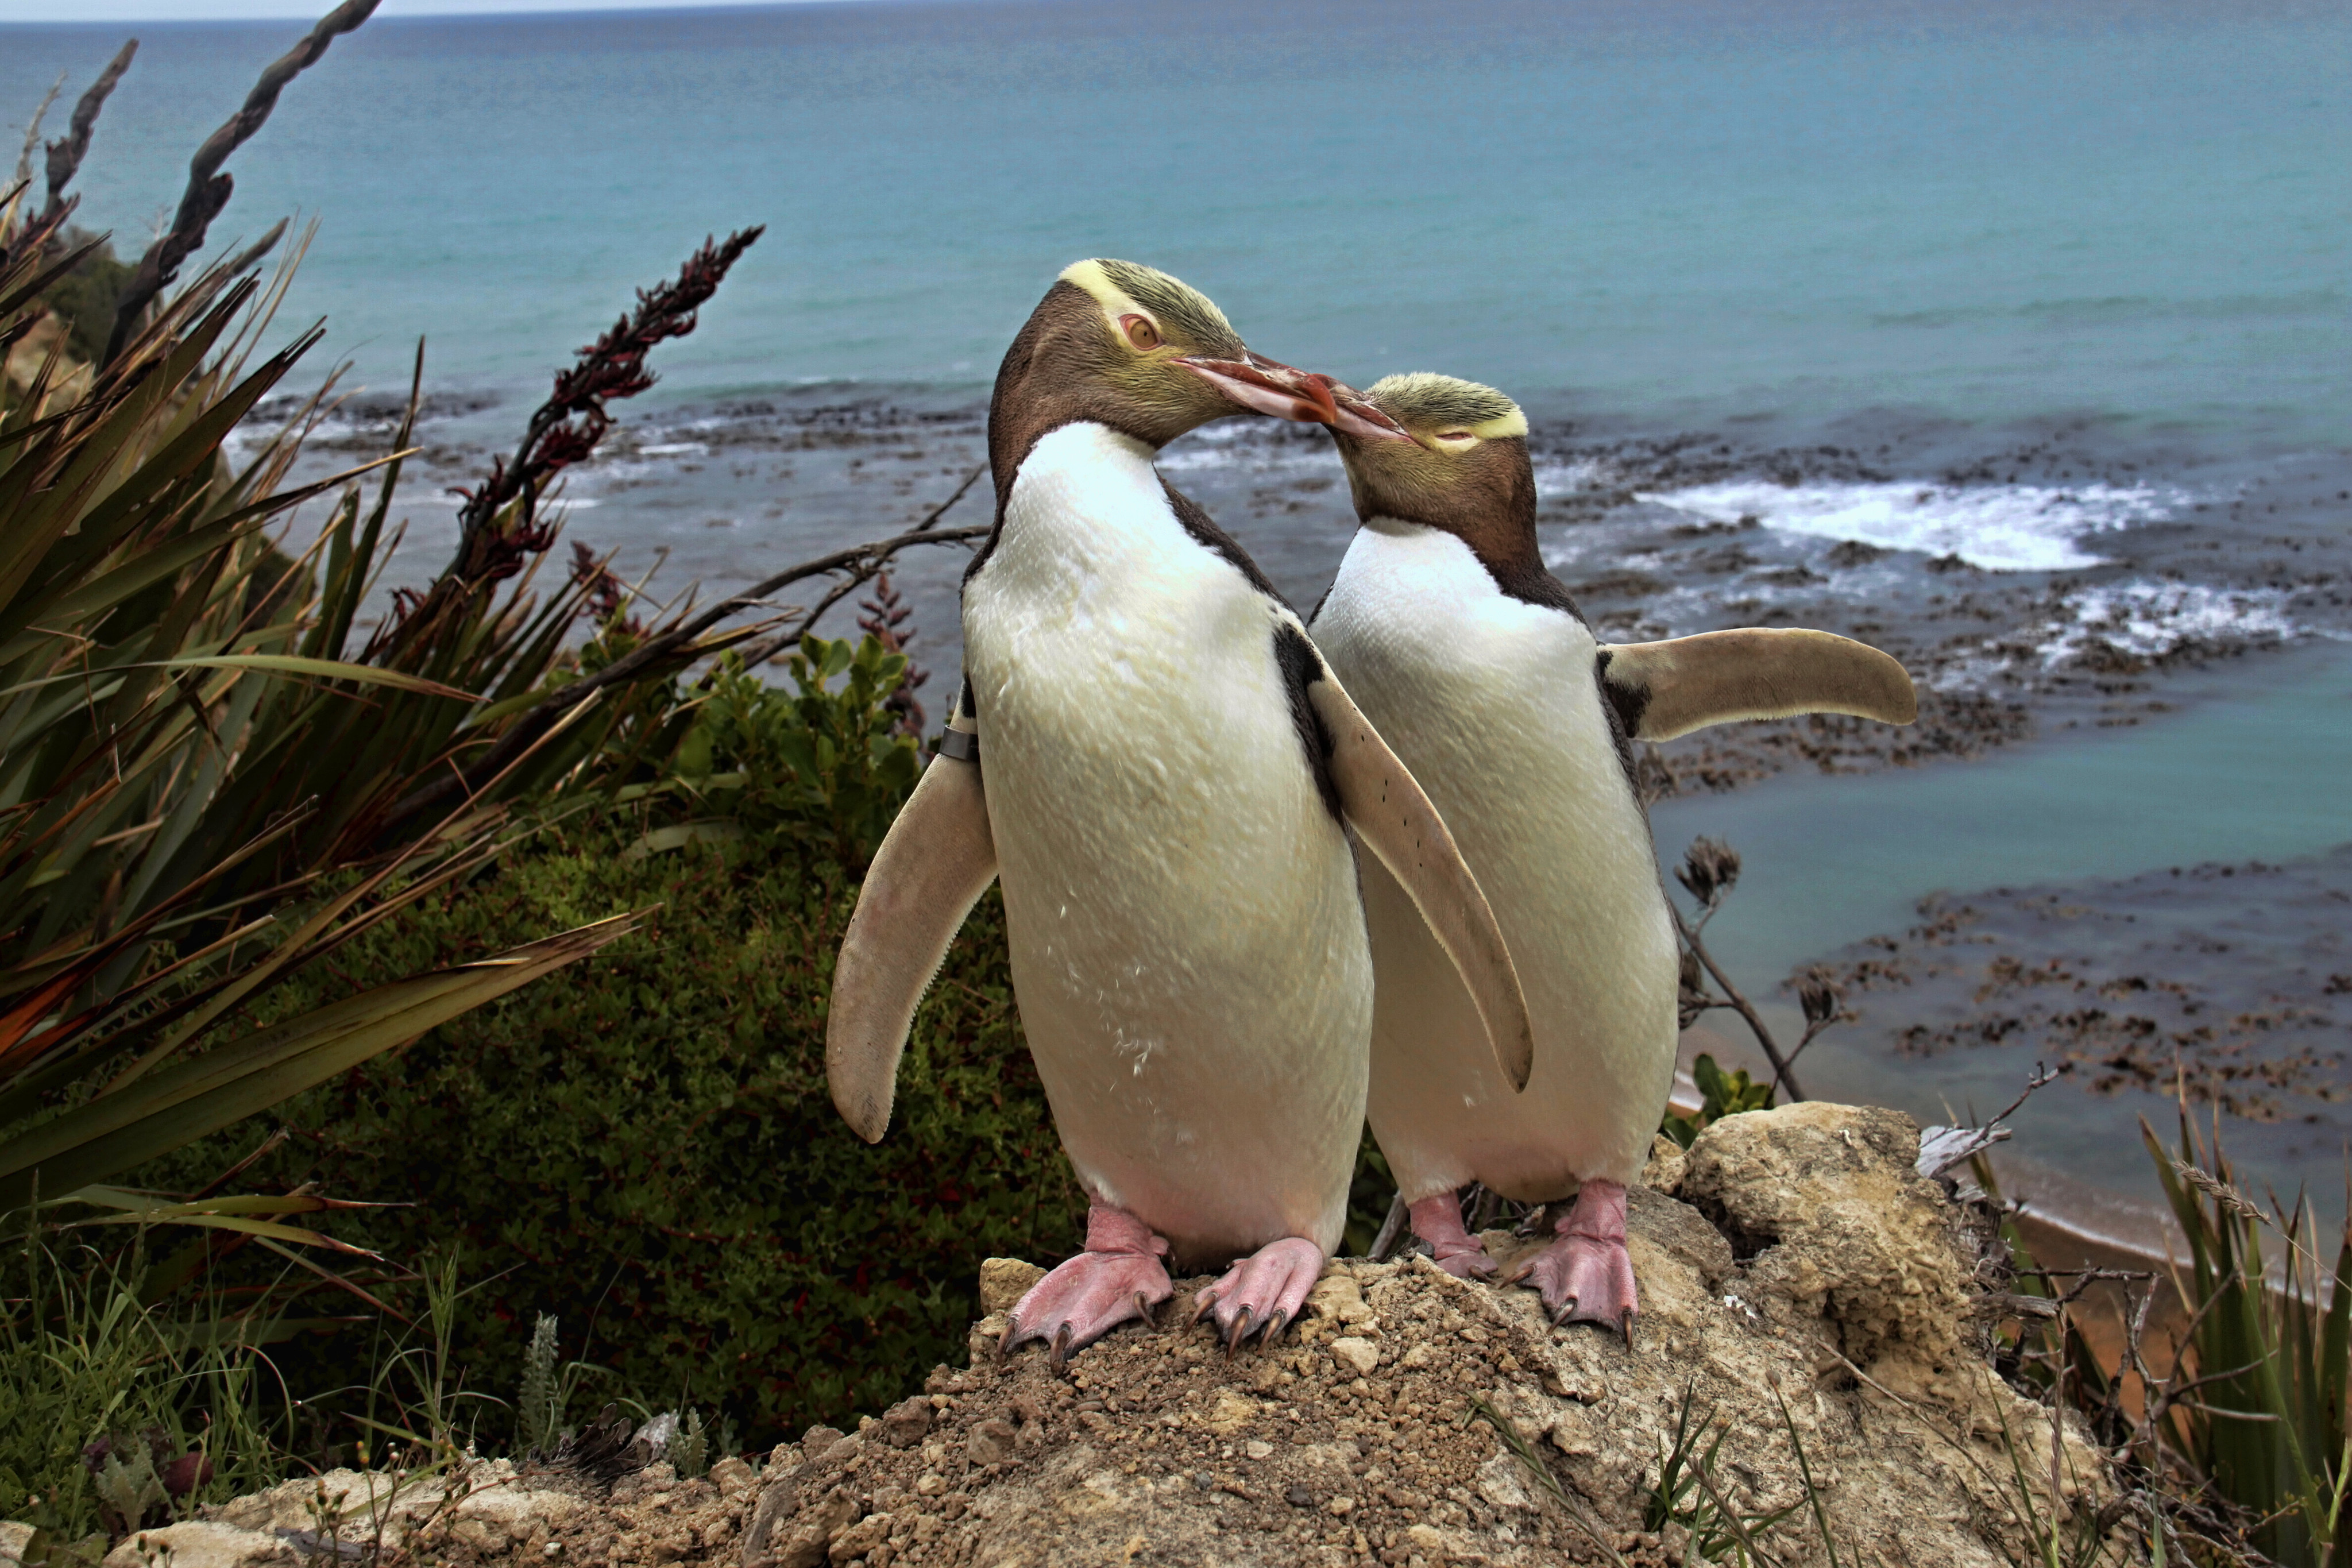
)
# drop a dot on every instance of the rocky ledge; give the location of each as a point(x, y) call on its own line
point(1809, 1327)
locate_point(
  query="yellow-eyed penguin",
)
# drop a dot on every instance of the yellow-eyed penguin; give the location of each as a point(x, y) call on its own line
point(1149, 755)
point(1472, 659)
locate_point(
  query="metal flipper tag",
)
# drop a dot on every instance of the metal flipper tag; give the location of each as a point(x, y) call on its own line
point(960, 744)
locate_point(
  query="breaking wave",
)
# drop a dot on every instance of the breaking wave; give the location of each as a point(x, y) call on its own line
point(2001, 528)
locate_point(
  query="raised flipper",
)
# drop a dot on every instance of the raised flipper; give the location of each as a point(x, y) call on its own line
point(1662, 689)
point(1396, 822)
point(935, 862)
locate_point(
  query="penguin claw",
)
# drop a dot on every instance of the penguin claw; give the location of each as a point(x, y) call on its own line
point(1263, 1292)
point(1086, 1297)
point(1273, 1327)
point(1586, 1276)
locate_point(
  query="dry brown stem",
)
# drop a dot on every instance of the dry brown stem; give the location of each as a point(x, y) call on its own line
point(209, 186)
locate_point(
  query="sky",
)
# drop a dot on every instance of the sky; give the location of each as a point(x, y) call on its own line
point(218, 10)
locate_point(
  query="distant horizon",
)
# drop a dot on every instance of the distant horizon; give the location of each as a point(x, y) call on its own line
point(150, 12)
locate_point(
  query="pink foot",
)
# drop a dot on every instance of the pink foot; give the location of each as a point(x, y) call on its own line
point(1438, 1221)
point(1265, 1291)
point(1586, 1277)
point(1118, 1277)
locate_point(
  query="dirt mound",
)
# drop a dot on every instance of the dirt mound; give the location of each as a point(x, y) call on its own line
point(1806, 1311)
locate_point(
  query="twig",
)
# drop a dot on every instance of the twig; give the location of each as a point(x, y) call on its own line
point(526, 726)
point(1728, 1514)
point(67, 151)
point(2043, 1076)
point(209, 186)
point(1527, 1456)
point(941, 510)
point(1391, 1228)
point(1781, 1077)
point(33, 136)
point(761, 653)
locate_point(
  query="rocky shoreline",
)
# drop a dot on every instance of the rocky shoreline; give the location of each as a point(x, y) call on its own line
point(1651, 532)
point(1816, 1327)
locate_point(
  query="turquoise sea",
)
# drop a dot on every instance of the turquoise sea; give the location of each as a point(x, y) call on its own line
point(2022, 331)
point(2134, 210)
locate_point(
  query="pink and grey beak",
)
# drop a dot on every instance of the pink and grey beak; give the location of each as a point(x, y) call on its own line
point(1268, 387)
point(1353, 414)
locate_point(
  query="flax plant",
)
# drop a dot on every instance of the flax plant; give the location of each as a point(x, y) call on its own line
point(2255, 1409)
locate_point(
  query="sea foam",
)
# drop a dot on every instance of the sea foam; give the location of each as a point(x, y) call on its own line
point(2001, 528)
point(2151, 619)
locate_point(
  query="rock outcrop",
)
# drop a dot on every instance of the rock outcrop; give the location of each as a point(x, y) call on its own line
point(1806, 1330)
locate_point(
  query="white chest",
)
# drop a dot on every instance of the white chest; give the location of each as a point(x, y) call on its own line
point(1188, 949)
point(1493, 704)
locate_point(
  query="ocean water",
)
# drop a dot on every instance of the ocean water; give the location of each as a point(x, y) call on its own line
point(2245, 774)
point(2022, 333)
point(1654, 210)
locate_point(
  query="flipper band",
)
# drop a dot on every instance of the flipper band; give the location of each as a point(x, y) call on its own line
point(960, 744)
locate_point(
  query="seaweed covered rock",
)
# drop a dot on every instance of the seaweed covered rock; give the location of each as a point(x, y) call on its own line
point(1414, 1419)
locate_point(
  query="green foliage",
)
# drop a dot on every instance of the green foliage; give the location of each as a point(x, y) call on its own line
point(1721, 1094)
point(194, 748)
point(1370, 1192)
point(176, 699)
point(538, 1407)
point(647, 1147)
point(1679, 1495)
point(690, 1451)
point(817, 770)
point(85, 1359)
point(84, 298)
point(2266, 1429)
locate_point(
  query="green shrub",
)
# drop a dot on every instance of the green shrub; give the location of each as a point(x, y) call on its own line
point(1722, 1094)
point(643, 1147)
point(84, 298)
point(85, 1357)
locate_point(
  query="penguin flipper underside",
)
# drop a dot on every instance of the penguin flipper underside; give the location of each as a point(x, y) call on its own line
point(1663, 689)
point(934, 863)
point(1385, 805)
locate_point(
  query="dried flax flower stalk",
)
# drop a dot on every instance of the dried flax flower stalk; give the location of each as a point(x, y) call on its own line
point(209, 185)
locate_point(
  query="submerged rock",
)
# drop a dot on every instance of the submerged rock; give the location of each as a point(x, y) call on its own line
point(1800, 1284)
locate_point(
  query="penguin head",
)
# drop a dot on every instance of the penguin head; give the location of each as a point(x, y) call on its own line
point(1436, 450)
point(1127, 346)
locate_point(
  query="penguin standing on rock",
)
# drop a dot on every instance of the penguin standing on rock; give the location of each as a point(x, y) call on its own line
point(1151, 755)
point(1472, 660)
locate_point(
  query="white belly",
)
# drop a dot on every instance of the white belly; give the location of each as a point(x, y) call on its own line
point(1493, 705)
point(1189, 951)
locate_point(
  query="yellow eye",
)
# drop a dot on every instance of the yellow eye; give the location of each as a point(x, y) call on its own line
point(1140, 331)
point(1455, 436)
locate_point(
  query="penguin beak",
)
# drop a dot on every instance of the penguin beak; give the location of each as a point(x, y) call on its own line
point(1353, 414)
point(1268, 387)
